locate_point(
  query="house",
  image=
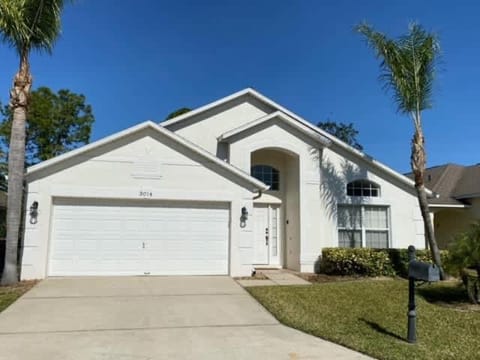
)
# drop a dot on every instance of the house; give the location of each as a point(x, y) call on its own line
point(457, 204)
point(234, 185)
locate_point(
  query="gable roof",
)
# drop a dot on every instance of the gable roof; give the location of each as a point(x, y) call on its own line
point(229, 135)
point(277, 107)
point(453, 183)
point(257, 184)
point(468, 186)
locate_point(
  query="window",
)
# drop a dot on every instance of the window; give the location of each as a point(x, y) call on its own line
point(268, 175)
point(363, 188)
point(363, 226)
point(274, 231)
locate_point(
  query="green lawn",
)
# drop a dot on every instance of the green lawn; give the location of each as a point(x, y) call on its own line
point(370, 316)
point(8, 294)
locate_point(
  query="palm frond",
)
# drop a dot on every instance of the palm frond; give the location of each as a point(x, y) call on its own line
point(407, 65)
point(12, 29)
point(30, 24)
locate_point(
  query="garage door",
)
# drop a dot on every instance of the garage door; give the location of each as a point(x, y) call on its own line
point(136, 239)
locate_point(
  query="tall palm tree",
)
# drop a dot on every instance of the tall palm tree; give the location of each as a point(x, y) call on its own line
point(25, 25)
point(408, 69)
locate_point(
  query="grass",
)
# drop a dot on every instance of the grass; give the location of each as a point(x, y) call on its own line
point(371, 317)
point(8, 294)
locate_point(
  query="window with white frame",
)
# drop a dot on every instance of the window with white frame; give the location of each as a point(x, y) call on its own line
point(268, 175)
point(363, 188)
point(363, 226)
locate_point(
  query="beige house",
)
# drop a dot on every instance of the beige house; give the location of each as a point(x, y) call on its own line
point(457, 203)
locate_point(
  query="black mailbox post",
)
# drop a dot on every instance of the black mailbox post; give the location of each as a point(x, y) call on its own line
point(417, 270)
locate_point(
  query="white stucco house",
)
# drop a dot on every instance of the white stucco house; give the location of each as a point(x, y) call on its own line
point(238, 184)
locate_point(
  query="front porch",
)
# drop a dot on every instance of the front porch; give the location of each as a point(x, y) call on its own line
point(276, 213)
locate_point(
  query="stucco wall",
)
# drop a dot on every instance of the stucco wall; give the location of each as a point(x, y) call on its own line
point(338, 169)
point(322, 178)
point(292, 215)
point(145, 161)
point(450, 222)
point(304, 216)
point(205, 128)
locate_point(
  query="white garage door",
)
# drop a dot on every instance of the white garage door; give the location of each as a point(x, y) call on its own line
point(129, 239)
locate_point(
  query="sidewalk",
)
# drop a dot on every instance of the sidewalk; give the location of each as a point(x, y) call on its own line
point(274, 277)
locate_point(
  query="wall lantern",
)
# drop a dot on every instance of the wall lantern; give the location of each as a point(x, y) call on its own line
point(33, 212)
point(244, 217)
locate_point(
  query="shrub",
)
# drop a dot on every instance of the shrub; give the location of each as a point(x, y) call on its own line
point(399, 259)
point(370, 262)
point(464, 260)
point(365, 262)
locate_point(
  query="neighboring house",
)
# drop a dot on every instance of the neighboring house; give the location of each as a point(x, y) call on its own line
point(457, 203)
point(237, 184)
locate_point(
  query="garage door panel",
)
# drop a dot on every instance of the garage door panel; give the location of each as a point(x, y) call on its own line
point(122, 239)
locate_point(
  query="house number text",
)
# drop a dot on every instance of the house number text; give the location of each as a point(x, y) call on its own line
point(145, 194)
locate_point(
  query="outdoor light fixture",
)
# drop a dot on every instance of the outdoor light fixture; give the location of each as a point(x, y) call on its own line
point(34, 212)
point(244, 217)
point(244, 213)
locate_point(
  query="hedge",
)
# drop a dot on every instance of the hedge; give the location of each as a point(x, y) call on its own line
point(369, 262)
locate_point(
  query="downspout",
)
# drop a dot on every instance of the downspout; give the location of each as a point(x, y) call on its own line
point(254, 271)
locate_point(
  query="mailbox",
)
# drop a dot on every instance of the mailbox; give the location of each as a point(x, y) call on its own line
point(419, 270)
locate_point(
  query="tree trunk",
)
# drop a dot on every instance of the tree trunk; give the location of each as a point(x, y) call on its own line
point(418, 161)
point(16, 168)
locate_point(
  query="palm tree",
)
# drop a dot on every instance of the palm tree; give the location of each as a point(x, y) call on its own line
point(408, 69)
point(25, 25)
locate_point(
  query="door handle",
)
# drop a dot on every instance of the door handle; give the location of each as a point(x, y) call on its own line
point(266, 236)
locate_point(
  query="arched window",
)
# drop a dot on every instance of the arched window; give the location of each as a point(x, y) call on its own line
point(268, 175)
point(363, 188)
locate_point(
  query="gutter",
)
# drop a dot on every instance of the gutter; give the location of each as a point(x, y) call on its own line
point(259, 195)
point(452, 206)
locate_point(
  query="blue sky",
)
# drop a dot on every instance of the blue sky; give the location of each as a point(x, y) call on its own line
point(139, 60)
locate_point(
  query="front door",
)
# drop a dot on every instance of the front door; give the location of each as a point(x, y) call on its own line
point(266, 235)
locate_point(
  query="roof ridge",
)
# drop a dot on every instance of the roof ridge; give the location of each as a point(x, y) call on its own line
point(275, 115)
point(442, 165)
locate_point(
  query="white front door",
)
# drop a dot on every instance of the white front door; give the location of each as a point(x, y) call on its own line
point(266, 235)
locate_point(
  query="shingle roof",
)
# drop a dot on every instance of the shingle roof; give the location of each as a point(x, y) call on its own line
point(468, 185)
point(453, 183)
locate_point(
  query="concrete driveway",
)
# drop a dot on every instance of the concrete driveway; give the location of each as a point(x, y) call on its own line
point(140, 318)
